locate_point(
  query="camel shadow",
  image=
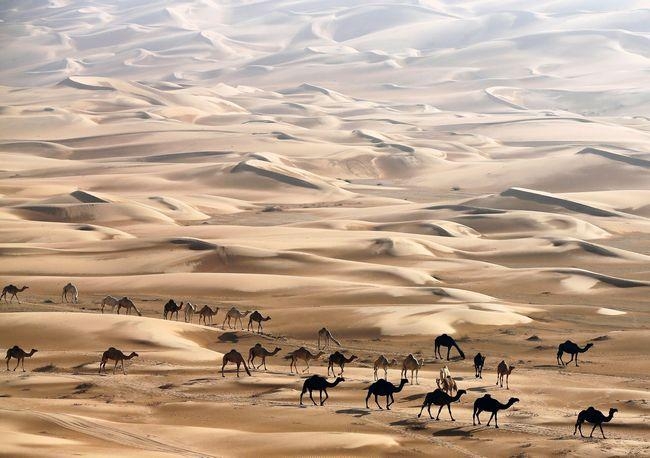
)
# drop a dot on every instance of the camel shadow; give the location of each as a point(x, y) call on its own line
point(414, 397)
point(480, 389)
point(409, 424)
point(453, 432)
point(229, 337)
point(356, 412)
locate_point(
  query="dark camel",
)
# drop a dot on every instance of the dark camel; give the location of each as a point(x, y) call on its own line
point(13, 290)
point(258, 351)
point(595, 417)
point(479, 361)
point(383, 388)
point(440, 398)
point(171, 308)
point(340, 360)
point(20, 355)
point(117, 356)
point(572, 349)
point(446, 341)
point(233, 356)
point(316, 382)
point(488, 404)
point(257, 317)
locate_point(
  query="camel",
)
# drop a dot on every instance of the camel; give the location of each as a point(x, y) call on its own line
point(237, 315)
point(486, 403)
point(595, 417)
point(190, 310)
point(111, 302)
point(233, 356)
point(326, 336)
point(412, 364)
point(445, 381)
point(479, 361)
point(13, 290)
point(383, 388)
point(504, 370)
point(340, 360)
point(383, 363)
point(117, 356)
point(572, 349)
point(303, 354)
point(170, 308)
point(446, 341)
point(128, 304)
point(207, 312)
point(258, 351)
point(20, 355)
point(316, 382)
point(72, 290)
point(440, 398)
point(257, 316)
point(447, 384)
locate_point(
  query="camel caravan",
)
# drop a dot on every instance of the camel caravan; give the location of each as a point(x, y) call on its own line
point(446, 393)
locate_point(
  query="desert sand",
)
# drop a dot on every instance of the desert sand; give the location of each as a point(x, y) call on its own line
point(390, 170)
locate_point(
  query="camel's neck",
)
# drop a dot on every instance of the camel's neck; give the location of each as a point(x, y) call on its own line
point(333, 384)
point(583, 349)
point(349, 360)
point(274, 351)
point(457, 397)
point(609, 417)
point(401, 385)
point(22, 289)
point(505, 406)
point(130, 356)
point(32, 351)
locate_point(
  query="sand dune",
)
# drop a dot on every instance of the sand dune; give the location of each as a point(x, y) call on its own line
point(391, 171)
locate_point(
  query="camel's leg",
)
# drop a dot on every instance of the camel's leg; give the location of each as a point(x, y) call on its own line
point(17, 363)
point(601, 430)
point(439, 410)
point(392, 400)
point(260, 329)
point(326, 397)
point(312, 397)
point(449, 409)
point(367, 397)
point(301, 394)
point(8, 358)
point(222, 366)
point(115, 367)
point(507, 377)
point(123, 371)
point(377, 402)
point(491, 417)
point(320, 396)
point(223, 326)
point(592, 430)
point(580, 429)
point(478, 420)
point(576, 359)
point(385, 373)
point(424, 404)
point(307, 369)
point(448, 351)
point(264, 362)
point(22, 363)
point(375, 373)
point(237, 369)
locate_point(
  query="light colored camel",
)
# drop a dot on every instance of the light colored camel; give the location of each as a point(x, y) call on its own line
point(412, 364)
point(20, 355)
point(326, 336)
point(115, 355)
point(304, 355)
point(71, 290)
point(205, 313)
point(126, 303)
point(235, 314)
point(258, 351)
point(13, 291)
point(233, 356)
point(111, 302)
point(383, 363)
point(503, 370)
point(447, 384)
point(190, 310)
